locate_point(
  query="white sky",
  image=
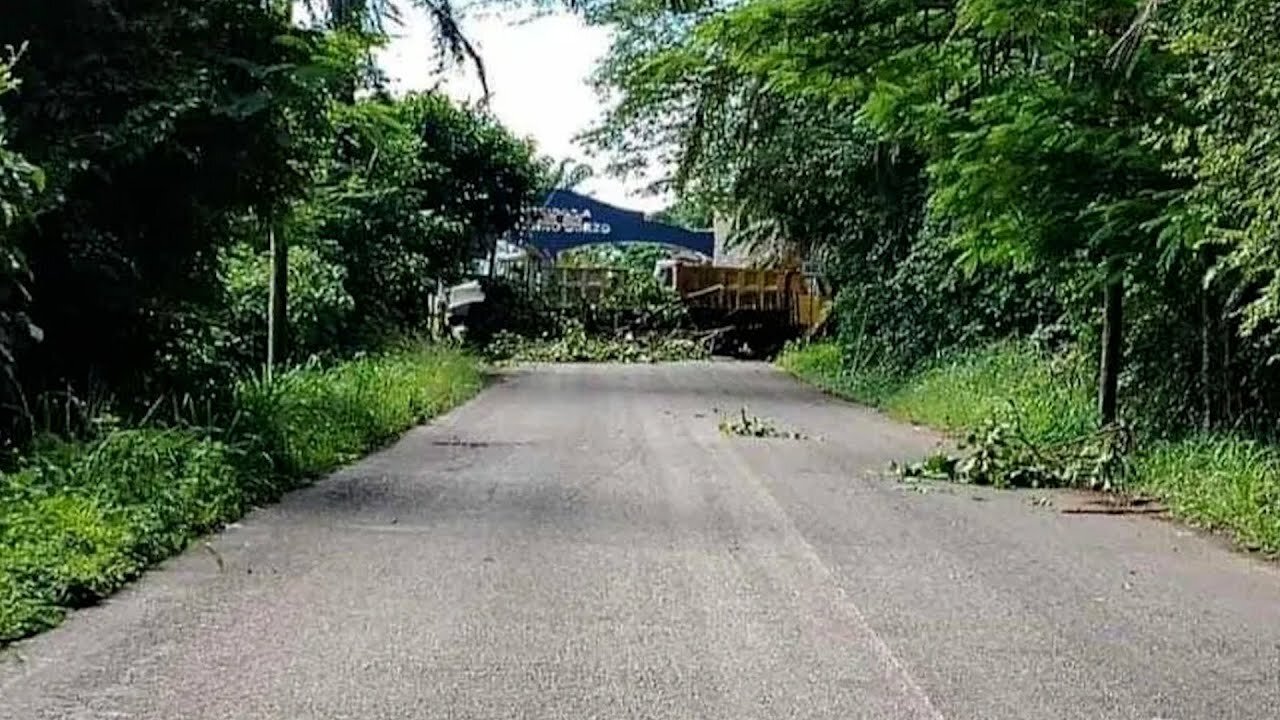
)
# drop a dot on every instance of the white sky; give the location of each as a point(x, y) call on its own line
point(538, 73)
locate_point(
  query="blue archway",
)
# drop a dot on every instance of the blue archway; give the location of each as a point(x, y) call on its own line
point(568, 220)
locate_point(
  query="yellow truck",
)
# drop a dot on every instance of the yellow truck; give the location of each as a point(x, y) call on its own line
point(799, 300)
point(750, 311)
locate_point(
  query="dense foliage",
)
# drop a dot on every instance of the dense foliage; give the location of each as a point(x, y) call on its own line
point(19, 182)
point(635, 257)
point(627, 317)
point(148, 149)
point(1017, 200)
point(973, 170)
point(170, 137)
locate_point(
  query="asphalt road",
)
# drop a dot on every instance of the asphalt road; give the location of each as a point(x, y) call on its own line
point(582, 542)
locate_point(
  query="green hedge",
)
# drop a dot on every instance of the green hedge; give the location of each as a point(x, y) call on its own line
point(79, 520)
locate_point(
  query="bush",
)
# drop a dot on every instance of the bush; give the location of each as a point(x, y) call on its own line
point(78, 520)
point(318, 302)
point(313, 419)
point(509, 308)
point(907, 308)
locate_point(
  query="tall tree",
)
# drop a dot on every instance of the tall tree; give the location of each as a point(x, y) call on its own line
point(821, 124)
point(377, 16)
point(159, 127)
point(20, 181)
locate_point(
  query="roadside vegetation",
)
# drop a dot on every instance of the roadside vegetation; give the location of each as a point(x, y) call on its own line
point(1048, 399)
point(79, 518)
point(1027, 419)
point(1219, 482)
point(571, 343)
point(630, 318)
point(1053, 228)
point(161, 164)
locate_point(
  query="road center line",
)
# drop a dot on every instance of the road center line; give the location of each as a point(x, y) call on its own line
point(909, 684)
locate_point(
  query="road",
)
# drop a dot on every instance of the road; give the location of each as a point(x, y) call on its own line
point(582, 542)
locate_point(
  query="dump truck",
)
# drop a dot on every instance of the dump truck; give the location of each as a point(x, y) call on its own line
point(750, 311)
point(791, 299)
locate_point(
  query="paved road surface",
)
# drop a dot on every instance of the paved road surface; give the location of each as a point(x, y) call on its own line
point(581, 542)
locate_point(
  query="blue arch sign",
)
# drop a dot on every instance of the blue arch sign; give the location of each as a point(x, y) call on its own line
point(568, 220)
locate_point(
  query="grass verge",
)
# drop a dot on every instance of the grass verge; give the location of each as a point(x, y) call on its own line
point(78, 520)
point(1219, 482)
point(1047, 399)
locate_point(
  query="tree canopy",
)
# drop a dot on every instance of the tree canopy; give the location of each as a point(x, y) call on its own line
point(970, 169)
point(144, 146)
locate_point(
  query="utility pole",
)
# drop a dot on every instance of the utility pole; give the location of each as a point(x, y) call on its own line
point(1112, 347)
point(277, 295)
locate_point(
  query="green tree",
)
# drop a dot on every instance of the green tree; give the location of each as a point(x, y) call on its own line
point(375, 16)
point(415, 191)
point(687, 212)
point(160, 125)
point(1017, 130)
point(1228, 145)
point(20, 181)
point(567, 174)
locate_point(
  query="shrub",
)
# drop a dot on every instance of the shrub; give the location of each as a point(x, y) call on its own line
point(318, 302)
point(79, 520)
point(312, 419)
point(510, 308)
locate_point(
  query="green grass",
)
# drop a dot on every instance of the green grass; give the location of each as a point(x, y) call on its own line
point(1223, 483)
point(311, 419)
point(78, 520)
point(1048, 399)
point(81, 520)
point(1220, 483)
point(823, 365)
